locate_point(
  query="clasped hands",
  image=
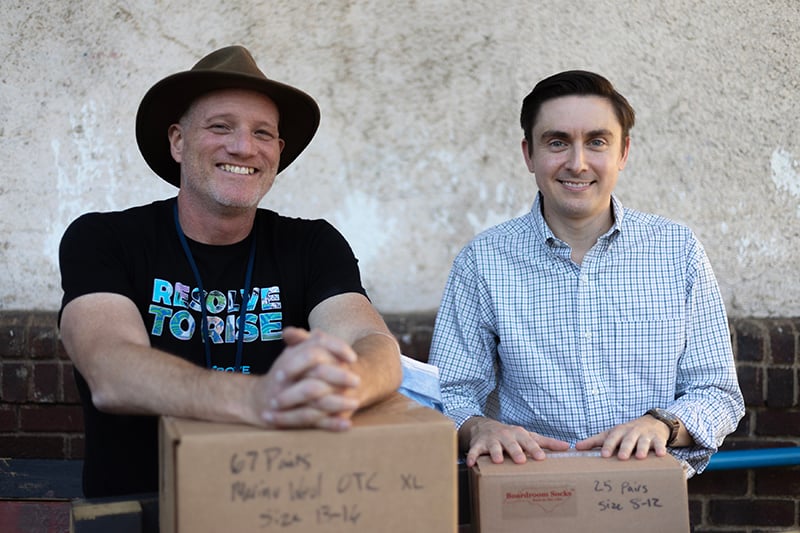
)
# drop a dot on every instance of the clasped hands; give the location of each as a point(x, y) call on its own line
point(485, 436)
point(311, 385)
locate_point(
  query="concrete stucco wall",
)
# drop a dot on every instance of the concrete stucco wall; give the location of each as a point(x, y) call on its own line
point(418, 148)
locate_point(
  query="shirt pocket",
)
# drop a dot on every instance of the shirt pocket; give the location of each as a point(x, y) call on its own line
point(644, 362)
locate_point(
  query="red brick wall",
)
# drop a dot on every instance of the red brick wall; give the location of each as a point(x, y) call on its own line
point(767, 355)
point(40, 415)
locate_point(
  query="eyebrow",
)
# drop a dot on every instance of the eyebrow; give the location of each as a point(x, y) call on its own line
point(558, 134)
point(223, 115)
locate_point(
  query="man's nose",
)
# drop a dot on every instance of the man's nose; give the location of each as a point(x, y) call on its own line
point(241, 142)
point(577, 159)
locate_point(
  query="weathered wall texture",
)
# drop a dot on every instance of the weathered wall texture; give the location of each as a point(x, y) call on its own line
point(418, 148)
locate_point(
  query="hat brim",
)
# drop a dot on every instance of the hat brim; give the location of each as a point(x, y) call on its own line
point(165, 103)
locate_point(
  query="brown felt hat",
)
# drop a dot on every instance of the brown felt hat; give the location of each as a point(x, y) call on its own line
point(232, 67)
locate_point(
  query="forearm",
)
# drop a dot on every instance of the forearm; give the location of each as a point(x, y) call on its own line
point(378, 366)
point(127, 376)
point(351, 318)
point(134, 379)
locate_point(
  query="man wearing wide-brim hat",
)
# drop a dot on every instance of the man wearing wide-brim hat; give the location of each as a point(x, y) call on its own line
point(204, 305)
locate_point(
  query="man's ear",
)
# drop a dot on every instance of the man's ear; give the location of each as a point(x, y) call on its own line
point(626, 148)
point(175, 135)
point(527, 154)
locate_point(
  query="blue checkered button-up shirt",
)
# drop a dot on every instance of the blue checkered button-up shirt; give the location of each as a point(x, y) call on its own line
point(527, 337)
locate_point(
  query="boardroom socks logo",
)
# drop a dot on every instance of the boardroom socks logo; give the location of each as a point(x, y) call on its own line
point(533, 501)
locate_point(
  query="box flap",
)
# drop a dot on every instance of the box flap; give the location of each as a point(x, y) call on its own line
point(583, 461)
point(395, 410)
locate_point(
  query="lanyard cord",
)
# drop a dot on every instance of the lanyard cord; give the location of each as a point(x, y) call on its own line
point(204, 314)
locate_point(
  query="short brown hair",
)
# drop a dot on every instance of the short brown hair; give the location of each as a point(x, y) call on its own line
point(571, 83)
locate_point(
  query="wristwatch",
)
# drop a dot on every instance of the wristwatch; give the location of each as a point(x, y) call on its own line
point(669, 419)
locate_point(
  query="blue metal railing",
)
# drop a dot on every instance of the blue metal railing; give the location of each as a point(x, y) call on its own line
point(729, 460)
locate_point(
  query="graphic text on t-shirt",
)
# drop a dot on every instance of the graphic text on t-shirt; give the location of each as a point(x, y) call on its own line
point(176, 310)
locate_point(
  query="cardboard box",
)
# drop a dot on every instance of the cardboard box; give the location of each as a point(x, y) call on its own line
point(580, 491)
point(394, 471)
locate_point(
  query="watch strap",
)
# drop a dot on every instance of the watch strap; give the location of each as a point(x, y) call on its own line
point(670, 420)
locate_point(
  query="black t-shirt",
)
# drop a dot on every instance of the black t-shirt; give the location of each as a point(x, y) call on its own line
point(137, 253)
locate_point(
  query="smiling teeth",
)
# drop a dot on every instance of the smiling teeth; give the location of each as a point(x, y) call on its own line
point(237, 170)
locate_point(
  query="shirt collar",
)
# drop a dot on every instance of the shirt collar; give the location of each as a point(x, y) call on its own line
point(538, 222)
point(547, 235)
point(619, 214)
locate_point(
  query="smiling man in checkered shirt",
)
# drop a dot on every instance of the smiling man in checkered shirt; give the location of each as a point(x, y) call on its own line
point(584, 323)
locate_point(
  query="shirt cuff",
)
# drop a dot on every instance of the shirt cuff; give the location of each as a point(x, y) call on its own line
point(459, 416)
